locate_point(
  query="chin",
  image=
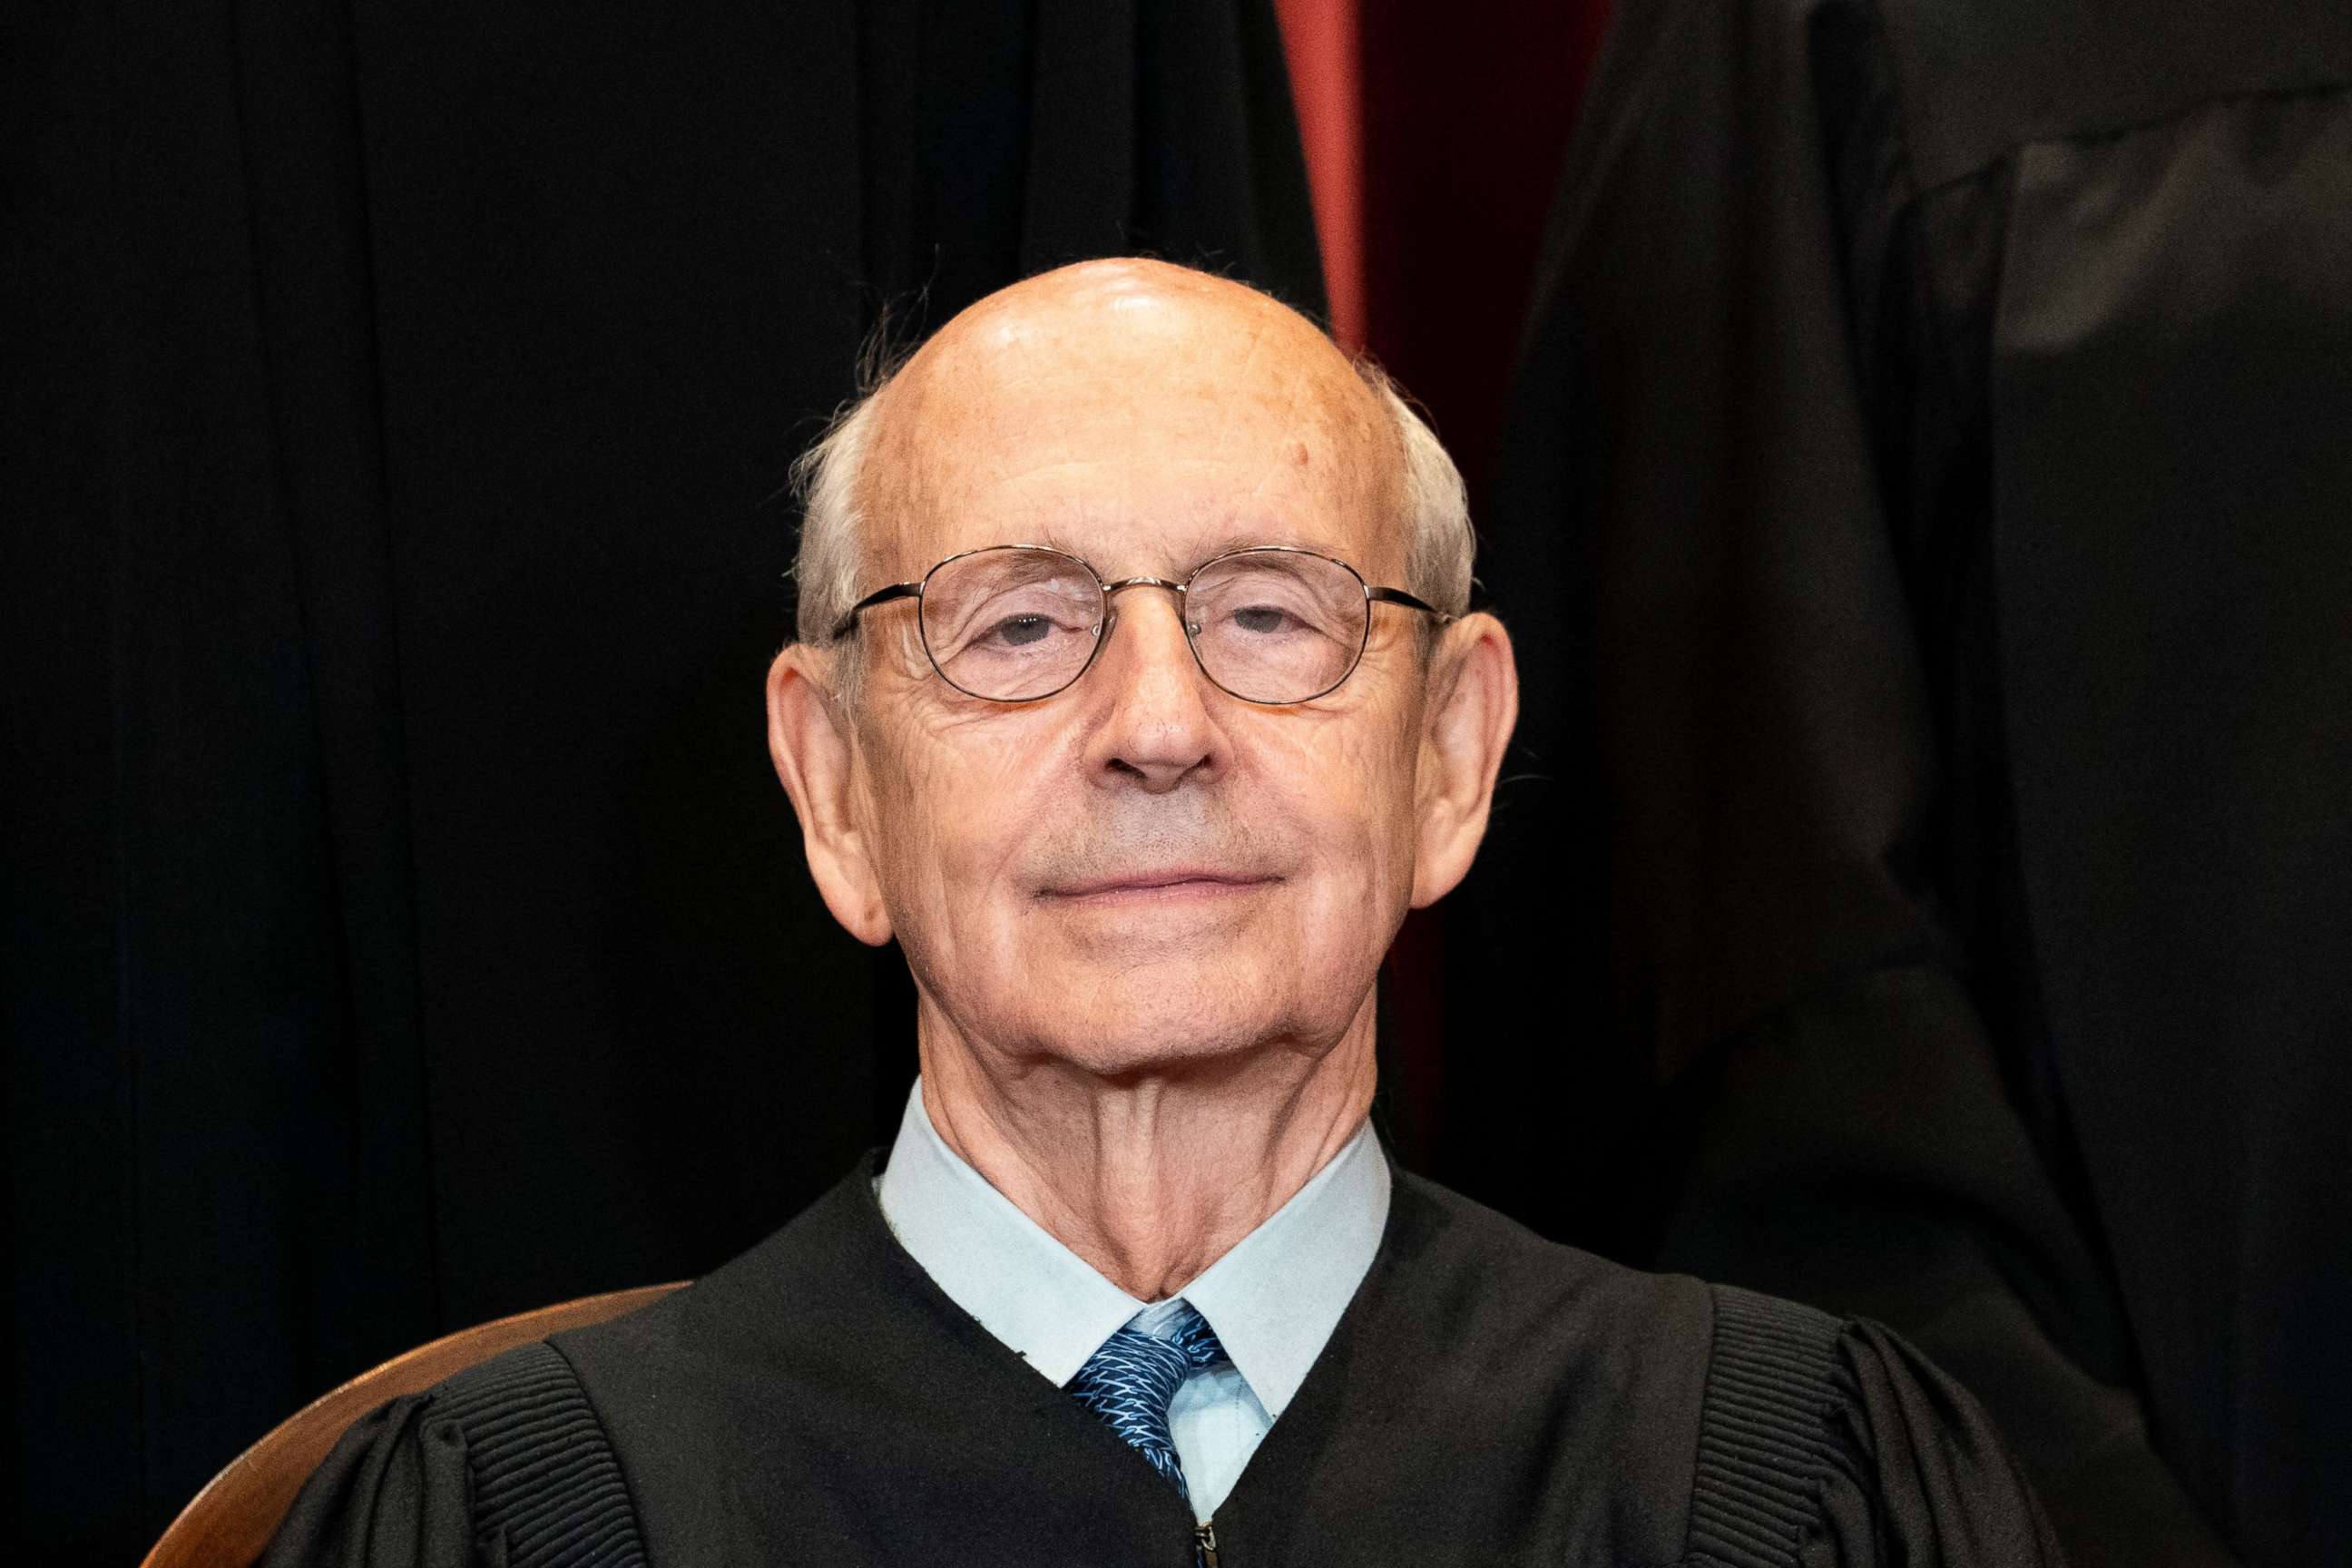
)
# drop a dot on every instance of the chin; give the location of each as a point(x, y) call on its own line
point(1128, 1056)
point(1163, 1016)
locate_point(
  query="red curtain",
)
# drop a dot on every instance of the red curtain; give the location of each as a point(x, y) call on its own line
point(1434, 136)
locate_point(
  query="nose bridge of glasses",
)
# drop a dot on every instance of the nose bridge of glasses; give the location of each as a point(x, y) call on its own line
point(1124, 584)
point(1181, 610)
point(1112, 590)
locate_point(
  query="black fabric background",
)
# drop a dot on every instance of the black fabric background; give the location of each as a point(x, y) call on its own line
point(404, 926)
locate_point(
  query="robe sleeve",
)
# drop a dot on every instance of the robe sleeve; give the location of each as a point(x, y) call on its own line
point(1917, 1474)
point(394, 1493)
point(506, 1465)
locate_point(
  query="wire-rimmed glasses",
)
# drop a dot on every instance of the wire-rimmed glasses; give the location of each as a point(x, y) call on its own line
point(1270, 624)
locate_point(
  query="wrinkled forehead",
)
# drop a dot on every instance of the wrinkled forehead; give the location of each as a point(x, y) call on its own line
point(1143, 425)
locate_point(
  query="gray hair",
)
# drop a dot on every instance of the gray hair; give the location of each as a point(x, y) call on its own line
point(827, 478)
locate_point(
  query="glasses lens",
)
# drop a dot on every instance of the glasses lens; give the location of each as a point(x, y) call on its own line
point(1277, 626)
point(1010, 625)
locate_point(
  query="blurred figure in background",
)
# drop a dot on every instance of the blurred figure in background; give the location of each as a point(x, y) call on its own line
point(1941, 416)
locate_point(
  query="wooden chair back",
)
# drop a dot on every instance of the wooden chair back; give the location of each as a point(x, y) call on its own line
point(229, 1523)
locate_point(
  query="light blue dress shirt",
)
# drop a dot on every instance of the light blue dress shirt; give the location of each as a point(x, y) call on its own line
point(1273, 1300)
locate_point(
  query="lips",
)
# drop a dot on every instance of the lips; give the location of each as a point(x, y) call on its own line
point(1165, 882)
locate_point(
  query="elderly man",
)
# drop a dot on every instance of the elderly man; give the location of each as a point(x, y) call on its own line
point(1137, 698)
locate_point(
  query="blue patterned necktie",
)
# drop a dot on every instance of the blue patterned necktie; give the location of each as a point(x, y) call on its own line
point(1130, 1379)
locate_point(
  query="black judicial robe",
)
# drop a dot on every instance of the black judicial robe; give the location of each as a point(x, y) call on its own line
point(398, 399)
point(1936, 429)
point(1488, 1397)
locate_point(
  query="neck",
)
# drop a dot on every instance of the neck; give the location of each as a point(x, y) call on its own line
point(1153, 1175)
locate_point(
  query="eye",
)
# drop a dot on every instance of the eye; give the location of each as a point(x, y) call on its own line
point(1020, 631)
point(1264, 619)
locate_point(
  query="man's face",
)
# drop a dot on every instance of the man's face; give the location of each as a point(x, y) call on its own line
point(1142, 868)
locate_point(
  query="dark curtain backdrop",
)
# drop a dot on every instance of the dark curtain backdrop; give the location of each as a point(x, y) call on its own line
point(402, 924)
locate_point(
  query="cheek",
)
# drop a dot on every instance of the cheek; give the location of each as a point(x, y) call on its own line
point(1353, 791)
point(949, 812)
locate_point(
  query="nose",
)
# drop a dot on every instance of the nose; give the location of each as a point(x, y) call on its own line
point(1159, 730)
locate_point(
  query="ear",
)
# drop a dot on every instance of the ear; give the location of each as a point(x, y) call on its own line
point(1474, 706)
point(809, 740)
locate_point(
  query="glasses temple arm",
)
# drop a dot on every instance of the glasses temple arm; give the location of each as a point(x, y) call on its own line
point(848, 622)
point(1398, 596)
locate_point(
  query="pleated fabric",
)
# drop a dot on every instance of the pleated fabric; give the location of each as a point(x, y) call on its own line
point(545, 1480)
point(1761, 1443)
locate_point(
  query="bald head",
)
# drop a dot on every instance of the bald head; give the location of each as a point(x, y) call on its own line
point(1131, 343)
point(1146, 319)
point(1176, 369)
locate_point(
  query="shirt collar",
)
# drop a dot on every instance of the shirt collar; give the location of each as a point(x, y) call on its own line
point(1273, 1300)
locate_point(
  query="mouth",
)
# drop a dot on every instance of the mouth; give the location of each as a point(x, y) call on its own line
point(1170, 885)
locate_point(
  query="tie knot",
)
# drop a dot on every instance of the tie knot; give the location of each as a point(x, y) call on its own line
point(1130, 1379)
point(1190, 1333)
